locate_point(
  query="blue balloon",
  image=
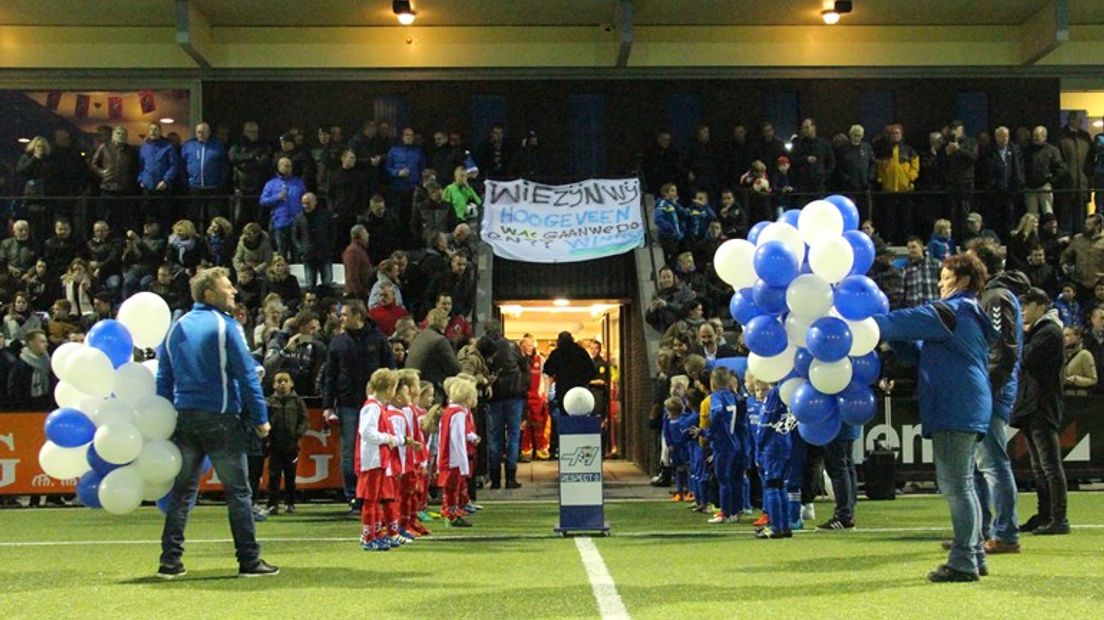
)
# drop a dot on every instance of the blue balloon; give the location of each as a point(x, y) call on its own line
point(865, 369)
point(69, 428)
point(802, 360)
point(111, 337)
point(776, 264)
point(766, 336)
point(847, 209)
point(206, 466)
point(820, 433)
point(742, 306)
point(829, 339)
point(97, 463)
point(856, 404)
point(810, 406)
point(857, 297)
point(753, 234)
point(769, 299)
point(88, 489)
point(863, 249)
point(883, 304)
point(790, 217)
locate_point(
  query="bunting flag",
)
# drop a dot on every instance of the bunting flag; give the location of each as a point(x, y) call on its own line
point(82, 106)
point(147, 101)
point(53, 100)
point(115, 108)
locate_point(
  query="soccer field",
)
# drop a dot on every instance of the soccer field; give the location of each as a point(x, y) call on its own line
point(664, 561)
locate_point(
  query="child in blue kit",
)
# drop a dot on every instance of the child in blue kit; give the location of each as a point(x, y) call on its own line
point(670, 221)
point(727, 434)
point(676, 432)
point(774, 445)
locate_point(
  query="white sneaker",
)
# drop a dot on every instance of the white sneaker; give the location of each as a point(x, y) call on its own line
point(718, 519)
point(808, 512)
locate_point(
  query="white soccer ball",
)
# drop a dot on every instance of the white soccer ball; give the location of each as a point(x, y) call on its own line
point(578, 401)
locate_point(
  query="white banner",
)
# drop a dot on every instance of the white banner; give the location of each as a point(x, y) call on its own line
point(538, 223)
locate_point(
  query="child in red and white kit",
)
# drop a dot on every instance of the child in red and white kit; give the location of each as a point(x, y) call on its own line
point(429, 423)
point(406, 471)
point(402, 460)
point(373, 458)
point(420, 497)
point(456, 441)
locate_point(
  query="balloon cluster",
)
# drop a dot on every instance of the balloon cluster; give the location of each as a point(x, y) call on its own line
point(805, 304)
point(111, 429)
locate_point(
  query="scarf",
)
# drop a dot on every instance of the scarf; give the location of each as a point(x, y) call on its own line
point(214, 242)
point(181, 246)
point(40, 378)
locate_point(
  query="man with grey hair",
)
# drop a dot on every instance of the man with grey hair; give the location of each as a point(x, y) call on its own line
point(206, 370)
point(206, 164)
point(116, 165)
point(1004, 178)
point(358, 265)
point(1043, 166)
point(1076, 146)
point(855, 167)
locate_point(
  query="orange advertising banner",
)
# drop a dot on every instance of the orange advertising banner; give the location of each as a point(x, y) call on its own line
point(22, 436)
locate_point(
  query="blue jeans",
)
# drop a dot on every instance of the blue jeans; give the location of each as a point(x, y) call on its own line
point(504, 417)
point(841, 469)
point(996, 484)
point(313, 272)
point(283, 239)
point(349, 417)
point(221, 437)
point(954, 472)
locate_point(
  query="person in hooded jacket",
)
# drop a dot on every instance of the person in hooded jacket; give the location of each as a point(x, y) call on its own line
point(506, 406)
point(994, 479)
point(1039, 408)
point(951, 338)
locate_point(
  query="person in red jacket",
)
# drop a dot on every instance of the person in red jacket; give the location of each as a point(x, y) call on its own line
point(387, 313)
point(533, 434)
point(394, 484)
point(420, 497)
point(373, 457)
point(456, 436)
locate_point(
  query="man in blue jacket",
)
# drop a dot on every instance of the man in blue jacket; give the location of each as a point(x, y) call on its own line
point(952, 337)
point(206, 163)
point(405, 162)
point(158, 166)
point(206, 370)
point(282, 197)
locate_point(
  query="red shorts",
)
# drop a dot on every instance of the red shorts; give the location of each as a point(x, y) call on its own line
point(369, 484)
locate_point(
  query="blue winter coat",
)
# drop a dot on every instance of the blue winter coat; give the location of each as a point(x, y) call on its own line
point(284, 211)
point(940, 247)
point(951, 338)
point(697, 221)
point(157, 161)
point(206, 163)
point(410, 157)
point(668, 219)
point(676, 434)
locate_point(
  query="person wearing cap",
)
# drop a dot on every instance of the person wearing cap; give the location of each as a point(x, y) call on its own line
point(1038, 410)
point(951, 338)
point(975, 229)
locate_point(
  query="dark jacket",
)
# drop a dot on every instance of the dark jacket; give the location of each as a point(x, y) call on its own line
point(812, 177)
point(508, 366)
point(116, 166)
point(348, 195)
point(252, 163)
point(1005, 170)
point(1000, 302)
point(724, 351)
point(432, 355)
point(1043, 164)
point(350, 361)
point(570, 366)
point(697, 159)
point(1039, 400)
point(959, 167)
point(288, 417)
point(660, 167)
point(107, 254)
point(58, 253)
point(314, 234)
point(855, 166)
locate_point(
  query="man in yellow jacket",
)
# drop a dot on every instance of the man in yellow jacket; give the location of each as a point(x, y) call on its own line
point(896, 165)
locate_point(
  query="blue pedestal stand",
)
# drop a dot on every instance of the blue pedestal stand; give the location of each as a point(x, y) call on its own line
point(580, 476)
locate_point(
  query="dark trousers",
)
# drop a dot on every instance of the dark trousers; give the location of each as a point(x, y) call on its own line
point(112, 208)
point(841, 469)
point(157, 204)
point(960, 202)
point(282, 464)
point(1001, 213)
point(895, 217)
point(204, 206)
point(1050, 477)
point(256, 465)
point(221, 437)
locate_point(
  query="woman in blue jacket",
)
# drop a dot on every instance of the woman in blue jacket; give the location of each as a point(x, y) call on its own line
point(951, 338)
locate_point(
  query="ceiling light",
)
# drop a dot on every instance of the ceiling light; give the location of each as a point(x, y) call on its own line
point(830, 17)
point(404, 11)
point(1098, 123)
point(167, 121)
point(23, 140)
point(561, 302)
point(833, 9)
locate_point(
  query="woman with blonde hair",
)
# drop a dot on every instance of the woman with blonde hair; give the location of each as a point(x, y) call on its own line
point(456, 441)
point(218, 244)
point(281, 281)
point(941, 245)
point(38, 173)
point(1024, 237)
point(184, 252)
point(77, 283)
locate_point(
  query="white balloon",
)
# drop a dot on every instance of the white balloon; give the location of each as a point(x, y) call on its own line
point(733, 261)
point(830, 377)
point(578, 401)
point(121, 490)
point(147, 317)
point(151, 365)
point(65, 395)
point(156, 490)
point(864, 336)
point(772, 369)
point(781, 231)
point(831, 259)
point(797, 327)
point(788, 387)
point(159, 461)
point(155, 418)
point(90, 371)
point(118, 442)
point(134, 383)
point(60, 358)
point(819, 220)
point(809, 295)
point(111, 411)
point(63, 463)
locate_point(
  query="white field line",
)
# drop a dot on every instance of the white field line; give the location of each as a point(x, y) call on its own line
point(718, 533)
point(610, 605)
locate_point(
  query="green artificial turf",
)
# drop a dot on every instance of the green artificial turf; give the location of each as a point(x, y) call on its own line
point(665, 561)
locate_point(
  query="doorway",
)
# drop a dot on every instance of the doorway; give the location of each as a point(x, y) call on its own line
point(597, 325)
